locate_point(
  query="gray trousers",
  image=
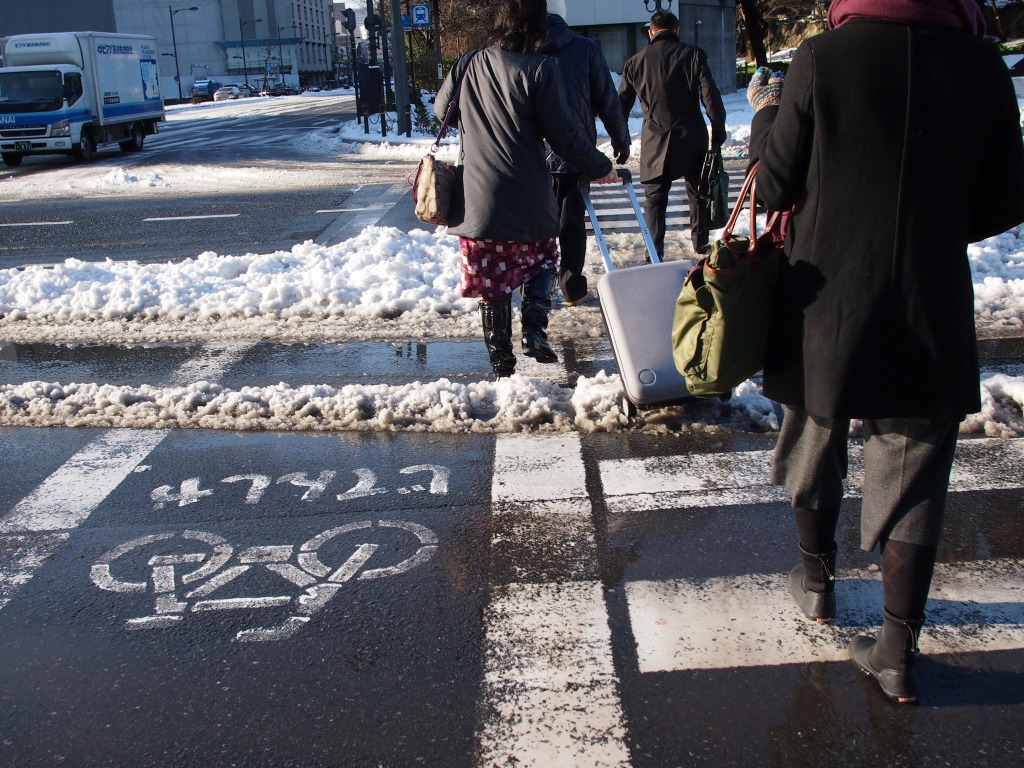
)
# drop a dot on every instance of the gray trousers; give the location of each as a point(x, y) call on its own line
point(906, 472)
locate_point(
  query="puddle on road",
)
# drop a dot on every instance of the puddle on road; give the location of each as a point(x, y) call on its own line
point(263, 364)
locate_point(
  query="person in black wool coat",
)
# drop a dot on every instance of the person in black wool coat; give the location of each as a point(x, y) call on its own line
point(896, 143)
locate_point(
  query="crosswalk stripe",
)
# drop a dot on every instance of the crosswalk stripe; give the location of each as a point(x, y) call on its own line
point(731, 479)
point(68, 496)
point(40, 523)
point(550, 689)
point(617, 216)
point(749, 620)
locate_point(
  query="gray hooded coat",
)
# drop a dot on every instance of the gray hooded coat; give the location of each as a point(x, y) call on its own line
point(509, 104)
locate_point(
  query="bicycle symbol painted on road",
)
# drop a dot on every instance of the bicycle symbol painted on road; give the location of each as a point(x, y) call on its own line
point(201, 574)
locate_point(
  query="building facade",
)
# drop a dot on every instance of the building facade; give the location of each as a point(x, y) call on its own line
point(619, 28)
point(296, 42)
point(262, 42)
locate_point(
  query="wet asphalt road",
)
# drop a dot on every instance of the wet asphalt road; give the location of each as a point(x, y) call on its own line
point(206, 598)
point(120, 651)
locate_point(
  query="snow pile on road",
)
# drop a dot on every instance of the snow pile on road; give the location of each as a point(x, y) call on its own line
point(380, 274)
point(508, 405)
point(383, 277)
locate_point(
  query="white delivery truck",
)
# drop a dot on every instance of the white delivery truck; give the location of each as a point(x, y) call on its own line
point(74, 92)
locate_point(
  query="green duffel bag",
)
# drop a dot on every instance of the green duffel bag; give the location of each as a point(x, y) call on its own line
point(723, 313)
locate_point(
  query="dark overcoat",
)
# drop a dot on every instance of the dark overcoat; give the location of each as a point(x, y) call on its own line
point(671, 80)
point(898, 146)
point(509, 104)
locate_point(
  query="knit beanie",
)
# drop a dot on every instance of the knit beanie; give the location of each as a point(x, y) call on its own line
point(765, 88)
point(557, 7)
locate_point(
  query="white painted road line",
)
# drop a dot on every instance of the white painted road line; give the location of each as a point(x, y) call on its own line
point(370, 205)
point(550, 690)
point(191, 218)
point(210, 364)
point(37, 224)
point(730, 479)
point(551, 694)
point(27, 554)
point(68, 496)
point(750, 621)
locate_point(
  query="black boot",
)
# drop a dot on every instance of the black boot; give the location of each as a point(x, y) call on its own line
point(813, 584)
point(536, 306)
point(497, 321)
point(889, 658)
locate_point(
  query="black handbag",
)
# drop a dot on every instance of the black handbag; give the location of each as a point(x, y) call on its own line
point(714, 188)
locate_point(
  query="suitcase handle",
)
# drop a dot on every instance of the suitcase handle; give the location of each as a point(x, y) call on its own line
point(627, 181)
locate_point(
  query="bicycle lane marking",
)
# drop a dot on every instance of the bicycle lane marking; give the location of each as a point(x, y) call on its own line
point(550, 690)
point(42, 521)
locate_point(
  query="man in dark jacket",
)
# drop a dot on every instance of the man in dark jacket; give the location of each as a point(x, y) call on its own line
point(893, 162)
point(588, 89)
point(672, 79)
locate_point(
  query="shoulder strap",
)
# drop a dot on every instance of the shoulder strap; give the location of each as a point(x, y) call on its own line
point(453, 103)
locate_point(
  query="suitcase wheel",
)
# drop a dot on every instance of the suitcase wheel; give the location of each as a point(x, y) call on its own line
point(628, 408)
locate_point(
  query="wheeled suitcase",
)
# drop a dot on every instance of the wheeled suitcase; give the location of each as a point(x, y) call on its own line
point(638, 304)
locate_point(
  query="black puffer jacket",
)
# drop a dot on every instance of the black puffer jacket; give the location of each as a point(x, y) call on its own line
point(509, 104)
point(588, 87)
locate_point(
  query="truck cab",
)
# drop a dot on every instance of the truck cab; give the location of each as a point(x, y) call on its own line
point(37, 108)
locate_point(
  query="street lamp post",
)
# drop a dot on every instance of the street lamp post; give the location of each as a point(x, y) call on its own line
point(280, 50)
point(241, 31)
point(174, 43)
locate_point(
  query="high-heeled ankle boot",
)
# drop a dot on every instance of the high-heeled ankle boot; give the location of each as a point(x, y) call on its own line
point(813, 584)
point(497, 322)
point(536, 306)
point(890, 657)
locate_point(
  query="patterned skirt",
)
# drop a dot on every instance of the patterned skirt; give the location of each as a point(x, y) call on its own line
point(493, 269)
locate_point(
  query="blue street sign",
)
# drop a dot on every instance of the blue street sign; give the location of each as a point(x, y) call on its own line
point(420, 15)
point(406, 22)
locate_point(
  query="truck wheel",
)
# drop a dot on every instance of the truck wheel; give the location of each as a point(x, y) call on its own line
point(11, 159)
point(86, 147)
point(134, 144)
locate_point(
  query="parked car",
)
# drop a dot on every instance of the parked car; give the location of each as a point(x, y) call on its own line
point(247, 90)
point(227, 92)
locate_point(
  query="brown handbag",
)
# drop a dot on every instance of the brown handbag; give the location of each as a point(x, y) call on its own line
point(437, 183)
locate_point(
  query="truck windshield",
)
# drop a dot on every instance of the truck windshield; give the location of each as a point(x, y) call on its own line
point(30, 92)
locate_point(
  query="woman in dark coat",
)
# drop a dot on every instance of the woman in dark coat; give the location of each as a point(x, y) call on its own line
point(510, 102)
point(898, 142)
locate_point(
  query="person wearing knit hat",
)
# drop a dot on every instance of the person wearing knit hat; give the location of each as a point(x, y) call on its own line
point(589, 92)
point(764, 94)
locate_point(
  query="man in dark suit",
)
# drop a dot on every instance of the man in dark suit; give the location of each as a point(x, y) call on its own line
point(672, 79)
